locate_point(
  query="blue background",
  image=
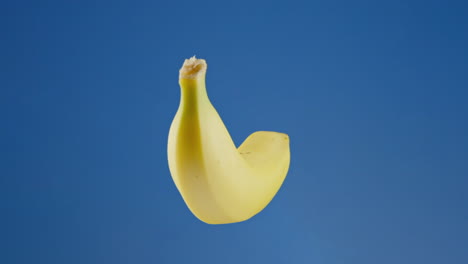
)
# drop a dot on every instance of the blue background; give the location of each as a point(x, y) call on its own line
point(372, 93)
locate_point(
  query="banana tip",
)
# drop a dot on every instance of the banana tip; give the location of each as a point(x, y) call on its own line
point(192, 68)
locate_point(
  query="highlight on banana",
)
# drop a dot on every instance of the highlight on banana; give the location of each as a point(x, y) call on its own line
point(219, 182)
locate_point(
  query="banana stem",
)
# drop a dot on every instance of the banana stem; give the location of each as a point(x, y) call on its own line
point(193, 68)
point(192, 83)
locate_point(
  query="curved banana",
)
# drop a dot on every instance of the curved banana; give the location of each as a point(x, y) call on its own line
point(220, 183)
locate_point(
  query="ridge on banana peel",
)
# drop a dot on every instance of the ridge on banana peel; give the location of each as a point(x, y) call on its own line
point(220, 183)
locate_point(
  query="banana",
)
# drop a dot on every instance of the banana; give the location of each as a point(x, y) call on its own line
point(220, 183)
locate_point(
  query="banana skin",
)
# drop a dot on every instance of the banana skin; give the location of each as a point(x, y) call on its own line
point(220, 183)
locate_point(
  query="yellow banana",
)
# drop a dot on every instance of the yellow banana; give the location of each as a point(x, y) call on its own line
point(220, 183)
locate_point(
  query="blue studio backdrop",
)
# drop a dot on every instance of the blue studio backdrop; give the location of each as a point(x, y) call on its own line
point(373, 95)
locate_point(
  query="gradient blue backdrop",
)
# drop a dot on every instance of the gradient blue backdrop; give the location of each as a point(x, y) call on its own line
point(373, 96)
